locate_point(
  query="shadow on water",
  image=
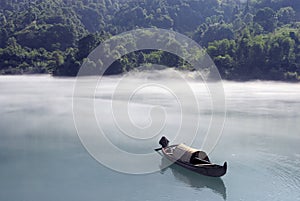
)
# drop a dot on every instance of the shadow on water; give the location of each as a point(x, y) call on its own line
point(193, 179)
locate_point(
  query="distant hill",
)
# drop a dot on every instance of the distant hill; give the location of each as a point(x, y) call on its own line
point(254, 39)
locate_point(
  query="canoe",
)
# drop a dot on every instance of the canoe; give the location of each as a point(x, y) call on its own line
point(194, 179)
point(191, 159)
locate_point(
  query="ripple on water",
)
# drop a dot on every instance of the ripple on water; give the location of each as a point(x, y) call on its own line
point(284, 170)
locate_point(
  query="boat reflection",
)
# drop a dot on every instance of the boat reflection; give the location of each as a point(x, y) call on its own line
point(193, 179)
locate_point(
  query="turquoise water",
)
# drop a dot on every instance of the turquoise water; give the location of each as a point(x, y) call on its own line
point(42, 158)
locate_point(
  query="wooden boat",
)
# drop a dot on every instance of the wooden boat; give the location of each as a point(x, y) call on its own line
point(192, 159)
point(194, 179)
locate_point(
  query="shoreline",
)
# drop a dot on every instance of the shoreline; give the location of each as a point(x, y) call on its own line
point(117, 75)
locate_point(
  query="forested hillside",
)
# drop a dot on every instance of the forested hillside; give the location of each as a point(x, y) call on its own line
point(254, 39)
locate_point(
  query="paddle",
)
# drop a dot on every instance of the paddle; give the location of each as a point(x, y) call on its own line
point(157, 149)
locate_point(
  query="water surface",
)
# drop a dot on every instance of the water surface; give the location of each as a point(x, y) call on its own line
point(42, 158)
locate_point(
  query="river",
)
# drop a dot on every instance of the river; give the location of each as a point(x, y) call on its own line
point(43, 158)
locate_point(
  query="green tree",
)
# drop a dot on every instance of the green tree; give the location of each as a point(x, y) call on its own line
point(286, 15)
point(225, 65)
point(217, 32)
point(86, 45)
point(266, 18)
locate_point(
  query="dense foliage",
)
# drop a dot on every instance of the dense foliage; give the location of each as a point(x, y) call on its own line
point(254, 39)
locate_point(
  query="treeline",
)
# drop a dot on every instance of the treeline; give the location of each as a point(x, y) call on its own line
point(254, 39)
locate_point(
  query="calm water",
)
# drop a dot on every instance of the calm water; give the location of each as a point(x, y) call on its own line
point(42, 158)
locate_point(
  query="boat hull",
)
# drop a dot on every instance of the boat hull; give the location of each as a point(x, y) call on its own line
point(211, 170)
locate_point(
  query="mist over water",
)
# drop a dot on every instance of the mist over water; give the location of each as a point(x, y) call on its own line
point(42, 158)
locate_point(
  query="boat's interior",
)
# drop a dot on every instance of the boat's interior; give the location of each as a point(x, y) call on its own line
point(198, 161)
